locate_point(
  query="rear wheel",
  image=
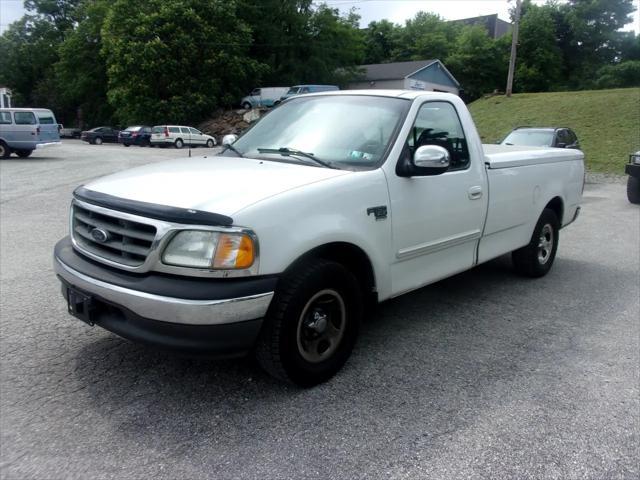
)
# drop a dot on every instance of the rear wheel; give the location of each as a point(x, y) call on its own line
point(4, 150)
point(633, 189)
point(24, 153)
point(98, 141)
point(312, 323)
point(179, 143)
point(536, 258)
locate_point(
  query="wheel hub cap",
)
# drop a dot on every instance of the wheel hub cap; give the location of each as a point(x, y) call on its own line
point(545, 244)
point(321, 326)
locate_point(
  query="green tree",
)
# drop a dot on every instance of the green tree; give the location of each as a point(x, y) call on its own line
point(622, 75)
point(175, 61)
point(478, 62)
point(539, 59)
point(380, 41)
point(426, 36)
point(81, 77)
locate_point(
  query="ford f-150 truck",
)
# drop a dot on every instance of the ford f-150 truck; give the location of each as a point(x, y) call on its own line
point(330, 203)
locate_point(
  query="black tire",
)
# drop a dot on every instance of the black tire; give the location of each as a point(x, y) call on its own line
point(126, 144)
point(246, 106)
point(535, 259)
point(97, 141)
point(4, 150)
point(24, 153)
point(327, 289)
point(633, 189)
point(210, 143)
point(178, 143)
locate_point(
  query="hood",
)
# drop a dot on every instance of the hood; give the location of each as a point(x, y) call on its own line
point(221, 185)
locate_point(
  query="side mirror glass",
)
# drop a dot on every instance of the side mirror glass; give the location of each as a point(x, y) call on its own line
point(432, 157)
point(229, 139)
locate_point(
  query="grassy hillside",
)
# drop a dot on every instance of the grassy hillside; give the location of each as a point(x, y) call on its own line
point(607, 122)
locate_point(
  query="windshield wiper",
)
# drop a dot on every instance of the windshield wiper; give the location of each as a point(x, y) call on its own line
point(287, 152)
point(233, 149)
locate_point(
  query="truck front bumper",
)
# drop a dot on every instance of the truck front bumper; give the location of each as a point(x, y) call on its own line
point(196, 315)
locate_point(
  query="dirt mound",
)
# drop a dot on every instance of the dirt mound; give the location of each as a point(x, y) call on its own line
point(225, 122)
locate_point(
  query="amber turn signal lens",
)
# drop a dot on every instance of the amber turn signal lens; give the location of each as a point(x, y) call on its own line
point(234, 251)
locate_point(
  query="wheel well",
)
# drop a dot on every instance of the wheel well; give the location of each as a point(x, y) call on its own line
point(353, 258)
point(557, 206)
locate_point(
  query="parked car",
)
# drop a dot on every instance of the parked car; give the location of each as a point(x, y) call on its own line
point(633, 181)
point(99, 135)
point(302, 89)
point(22, 130)
point(179, 136)
point(559, 137)
point(272, 249)
point(69, 132)
point(136, 135)
point(263, 97)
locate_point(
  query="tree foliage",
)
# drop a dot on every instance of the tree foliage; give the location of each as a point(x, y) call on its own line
point(173, 61)
point(98, 61)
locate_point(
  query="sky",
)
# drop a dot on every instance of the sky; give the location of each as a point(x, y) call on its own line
point(394, 10)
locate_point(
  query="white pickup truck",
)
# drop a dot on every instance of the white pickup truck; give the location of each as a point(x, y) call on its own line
point(330, 203)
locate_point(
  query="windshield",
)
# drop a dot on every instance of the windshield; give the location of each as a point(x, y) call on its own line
point(132, 129)
point(351, 132)
point(529, 138)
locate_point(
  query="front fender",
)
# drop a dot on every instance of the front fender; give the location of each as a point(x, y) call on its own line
point(292, 223)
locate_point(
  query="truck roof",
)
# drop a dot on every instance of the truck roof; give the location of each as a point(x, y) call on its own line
point(408, 94)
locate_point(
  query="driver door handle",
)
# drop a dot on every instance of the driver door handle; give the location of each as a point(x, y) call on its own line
point(475, 193)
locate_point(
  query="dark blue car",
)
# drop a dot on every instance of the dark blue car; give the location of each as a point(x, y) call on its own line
point(136, 135)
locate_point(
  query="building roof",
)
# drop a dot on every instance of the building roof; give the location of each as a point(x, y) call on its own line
point(393, 71)
point(495, 27)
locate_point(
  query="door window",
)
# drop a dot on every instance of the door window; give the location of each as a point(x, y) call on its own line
point(174, 129)
point(255, 92)
point(5, 118)
point(24, 118)
point(438, 124)
point(184, 130)
point(194, 131)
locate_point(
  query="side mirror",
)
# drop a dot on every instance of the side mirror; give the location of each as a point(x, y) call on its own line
point(432, 157)
point(561, 145)
point(229, 139)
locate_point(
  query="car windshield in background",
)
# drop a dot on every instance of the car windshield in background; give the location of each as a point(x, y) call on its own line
point(530, 138)
point(350, 132)
point(133, 129)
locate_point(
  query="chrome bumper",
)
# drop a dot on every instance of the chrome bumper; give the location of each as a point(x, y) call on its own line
point(169, 309)
point(48, 144)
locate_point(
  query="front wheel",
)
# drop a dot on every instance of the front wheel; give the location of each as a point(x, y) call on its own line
point(246, 106)
point(179, 143)
point(4, 150)
point(536, 258)
point(210, 143)
point(126, 144)
point(633, 189)
point(312, 323)
point(24, 153)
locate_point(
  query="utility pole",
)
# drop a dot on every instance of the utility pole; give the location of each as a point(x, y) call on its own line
point(514, 43)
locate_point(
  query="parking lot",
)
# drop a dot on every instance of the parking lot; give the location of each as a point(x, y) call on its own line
point(483, 375)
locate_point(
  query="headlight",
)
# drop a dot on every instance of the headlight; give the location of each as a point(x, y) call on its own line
point(213, 250)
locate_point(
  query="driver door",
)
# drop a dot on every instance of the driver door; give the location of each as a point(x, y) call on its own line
point(437, 219)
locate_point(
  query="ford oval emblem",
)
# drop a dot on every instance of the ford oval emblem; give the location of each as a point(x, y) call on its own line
point(99, 235)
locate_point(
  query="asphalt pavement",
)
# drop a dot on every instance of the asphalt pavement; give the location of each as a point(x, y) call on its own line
point(483, 375)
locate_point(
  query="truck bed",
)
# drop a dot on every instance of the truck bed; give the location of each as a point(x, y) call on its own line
point(507, 156)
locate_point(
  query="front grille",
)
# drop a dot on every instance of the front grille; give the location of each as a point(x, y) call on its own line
point(126, 242)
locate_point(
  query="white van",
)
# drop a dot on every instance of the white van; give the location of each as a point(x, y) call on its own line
point(263, 97)
point(22, 130)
